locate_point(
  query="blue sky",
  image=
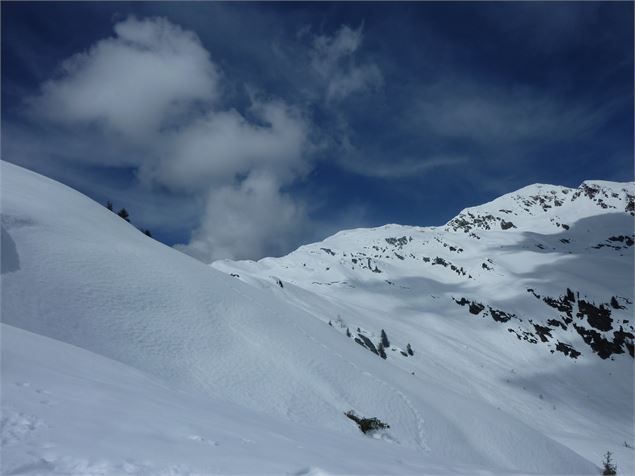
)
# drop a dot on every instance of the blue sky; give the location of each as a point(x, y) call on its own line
point(243, 130)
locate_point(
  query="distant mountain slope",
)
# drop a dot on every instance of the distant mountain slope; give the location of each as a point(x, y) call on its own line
point(552, 265)
point(547, 208)
point(75, 272)
point(526, 301)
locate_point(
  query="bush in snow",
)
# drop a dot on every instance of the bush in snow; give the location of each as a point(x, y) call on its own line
point(367, 424)
point(409, 350)
point(609, 468)
point(381, 350)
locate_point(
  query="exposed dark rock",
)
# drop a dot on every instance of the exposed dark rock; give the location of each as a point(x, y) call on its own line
point(601, 346)
point(598, 317)
point(462, 301)
point(543, 332)
point(566, 349)
point(615, 304)
point(624, 338)
point(563, 304)
point(500, 316)
point(400, 242)
point(557, 323)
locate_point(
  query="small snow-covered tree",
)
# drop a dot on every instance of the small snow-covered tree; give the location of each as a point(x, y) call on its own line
point(409, 349)
point(109, 205)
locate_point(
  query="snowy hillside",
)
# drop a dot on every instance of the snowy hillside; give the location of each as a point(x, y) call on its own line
point(526, 301)
point(123, 356)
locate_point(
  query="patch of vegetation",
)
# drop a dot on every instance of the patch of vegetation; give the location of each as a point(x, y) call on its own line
point(367, 424)
point(609, 469)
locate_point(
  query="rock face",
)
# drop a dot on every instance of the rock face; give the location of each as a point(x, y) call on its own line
point(550, 265)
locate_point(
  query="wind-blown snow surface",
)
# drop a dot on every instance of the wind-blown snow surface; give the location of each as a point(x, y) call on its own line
point(150, 362)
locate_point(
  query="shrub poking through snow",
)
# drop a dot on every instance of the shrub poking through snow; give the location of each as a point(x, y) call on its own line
point(409, 350)
point(609, 468)
point(381, 350)
point(367, 424)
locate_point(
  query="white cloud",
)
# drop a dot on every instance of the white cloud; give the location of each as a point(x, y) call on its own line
point(154, 90)
point(333, 59)
point(131, 83)
point(397, 167)
point(247, 220)
point(501, 116)
point(220, 145)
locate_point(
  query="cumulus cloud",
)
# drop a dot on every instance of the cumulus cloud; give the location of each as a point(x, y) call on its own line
point(153, 89)
point(219, 145)
point(133, 82)
point(247, 220)
point(333, 59)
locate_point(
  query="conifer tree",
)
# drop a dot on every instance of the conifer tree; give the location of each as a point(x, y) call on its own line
point(123, 213)
point(381, 350)
point(609, 468)
point(384, 339)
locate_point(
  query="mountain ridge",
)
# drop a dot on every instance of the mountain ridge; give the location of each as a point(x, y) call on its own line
point(466, 399)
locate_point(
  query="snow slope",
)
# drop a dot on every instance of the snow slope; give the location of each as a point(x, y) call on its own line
point(525, 302)
point(108, 320)
point(69, 411)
